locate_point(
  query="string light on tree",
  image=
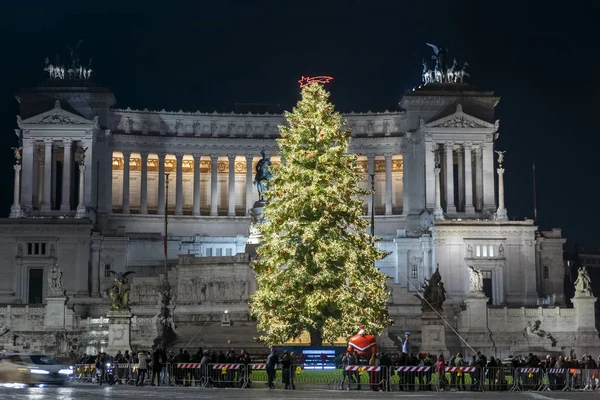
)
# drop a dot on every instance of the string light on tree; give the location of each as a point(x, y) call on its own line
point(315, 269)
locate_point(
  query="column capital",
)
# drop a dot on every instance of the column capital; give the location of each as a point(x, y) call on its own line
point(249, 157)
point(48, 142)
point(178, 156)
point(144, 154)
point(467, 146)
point(17, 167)
point(82, 167)
point(231, 157)
point(67, 142)
point(126, 154)
point(449, 145)
point(500, 171)
point(214, 157)
point(388, 155)
point(29, 142)
point(437, 170)
point(161, 155)
point(196, 157)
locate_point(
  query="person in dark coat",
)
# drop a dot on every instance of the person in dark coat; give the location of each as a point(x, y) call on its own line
point(272, 361)
point(156, 366)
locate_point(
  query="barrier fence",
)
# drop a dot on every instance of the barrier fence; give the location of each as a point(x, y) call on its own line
point(393, 378)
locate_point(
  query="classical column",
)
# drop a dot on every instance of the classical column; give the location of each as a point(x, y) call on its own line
point(15, 209)
point(489, 201)
point(108, 168)
point(469, 209)
point(179, 184)
point(196, 207)
point(66, 183)
point(126, 157)
point(438, 213)
point(214, 158)
point(161, 183)
point(450, 207)
point(501, 214)
point(26, 165)
point(478, 179)
point(144, 184)
point(47, 200)
point(370, 172)
point(40, 178)
point(430, 161)
point(461, 178)
point(81, 204)
point(388, 184)
point(231, 194)
point(249, 180)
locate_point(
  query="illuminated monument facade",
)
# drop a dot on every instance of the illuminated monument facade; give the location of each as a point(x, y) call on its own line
point(90, 196)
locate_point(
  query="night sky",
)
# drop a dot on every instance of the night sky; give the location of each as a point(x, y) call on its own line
point(540, 57)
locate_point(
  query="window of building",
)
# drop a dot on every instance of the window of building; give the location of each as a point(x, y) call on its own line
point(209, 252)
point(106, 270)
point(478, 251)
point(228, 252)
point(484, 251)
point(219, 252)
point(491, 251)
point(36, 286)
point(487, 286)
point(36, 249)
point(546, 272)
point(415, 271)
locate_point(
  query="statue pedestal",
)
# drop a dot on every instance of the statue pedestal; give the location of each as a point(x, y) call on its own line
point(477, 311)
point(119, 331)
point(56, 313)
point(584, 306)
point(433, 335)
point(256, 214)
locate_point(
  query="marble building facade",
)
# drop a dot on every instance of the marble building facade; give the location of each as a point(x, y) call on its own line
point(94, 182)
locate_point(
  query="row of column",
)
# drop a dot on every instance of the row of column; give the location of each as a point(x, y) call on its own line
point(44, 173)
point(213, 183)
point(475, 188)
point(179, 183)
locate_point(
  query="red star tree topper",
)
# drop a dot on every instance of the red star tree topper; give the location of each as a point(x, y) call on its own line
point(315, 269)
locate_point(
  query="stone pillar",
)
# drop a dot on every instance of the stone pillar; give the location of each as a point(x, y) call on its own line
point(126, 158)
point(430, 161)
point(161, 183)
point(27, 174)
point(461, 178)
point(144, 183)
point(231, 190)
point(15, 209)
point(96, 245)
point(196, 206)
point(108, 199)
point(46, 199)
point(489, 201)
point(477, 311)
point(249, 180)
point(501, 214)
point(40, 178)
point(438, 213)
point(89, 168)
point(66, 183)
point(478, 179)
point(388, 184)
point(450, 207)
point(469, 209)
point(81, 204)
point(179, 184)
point(370, 171)
point(56, 313)
point(214, 158)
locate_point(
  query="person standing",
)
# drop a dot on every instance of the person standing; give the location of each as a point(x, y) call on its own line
point(406, 347)
point(142, 367)
point(156, 366)
point(272, 360)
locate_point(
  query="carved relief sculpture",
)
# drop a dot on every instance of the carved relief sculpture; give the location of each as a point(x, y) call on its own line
point(475, 281)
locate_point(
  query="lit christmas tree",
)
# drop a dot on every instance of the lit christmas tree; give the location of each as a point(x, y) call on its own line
point(315, 269)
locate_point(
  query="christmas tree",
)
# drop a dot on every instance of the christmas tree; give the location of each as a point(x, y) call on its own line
point(315, 269)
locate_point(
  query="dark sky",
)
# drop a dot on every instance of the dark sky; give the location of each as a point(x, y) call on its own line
point(540, 57)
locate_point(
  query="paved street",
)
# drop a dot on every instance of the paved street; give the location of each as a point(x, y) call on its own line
point(93, 392)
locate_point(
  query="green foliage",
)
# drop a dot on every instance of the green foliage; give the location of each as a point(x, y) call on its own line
point(316, 266)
